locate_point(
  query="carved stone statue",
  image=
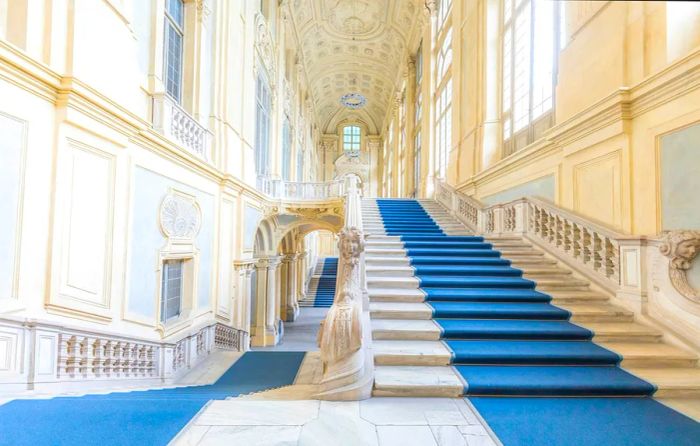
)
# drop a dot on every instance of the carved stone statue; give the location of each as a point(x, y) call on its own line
point(341, 332)
point(681, 247)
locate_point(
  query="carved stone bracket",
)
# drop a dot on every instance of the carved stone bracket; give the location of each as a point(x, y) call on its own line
point(681, 248)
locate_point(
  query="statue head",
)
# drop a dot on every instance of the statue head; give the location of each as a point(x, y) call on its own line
point(351, 244)
point(681, 247)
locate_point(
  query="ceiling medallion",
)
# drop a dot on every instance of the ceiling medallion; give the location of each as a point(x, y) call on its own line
point(353, 100)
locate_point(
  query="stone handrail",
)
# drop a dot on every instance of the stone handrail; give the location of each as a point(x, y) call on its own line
point(633, 268)
point(290, 190)
point(345, 334)
point(175, 123)
point(68, 355)
point(591, 246)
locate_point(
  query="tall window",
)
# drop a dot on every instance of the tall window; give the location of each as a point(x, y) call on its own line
point(300, 164)
point(530, 48)
point(351, 139)
point(174, 36)
point(417, 140)
point(286, 151)
point(171, 290)
point(443, 100)
point(262, 124)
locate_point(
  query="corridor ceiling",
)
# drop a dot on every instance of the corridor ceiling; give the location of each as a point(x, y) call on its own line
point(354, 46)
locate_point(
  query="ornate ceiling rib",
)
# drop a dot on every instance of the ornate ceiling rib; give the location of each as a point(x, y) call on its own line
point(353, 46)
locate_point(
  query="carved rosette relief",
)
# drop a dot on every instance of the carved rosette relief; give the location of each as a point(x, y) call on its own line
point(681, 248)
point(180, 216)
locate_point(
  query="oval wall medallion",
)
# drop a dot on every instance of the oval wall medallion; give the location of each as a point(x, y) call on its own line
point(180, 216)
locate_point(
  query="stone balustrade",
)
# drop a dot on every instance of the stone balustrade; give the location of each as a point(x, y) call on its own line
point(47, 355)
point(176, 124)
point(293, 191)
point(632, 268)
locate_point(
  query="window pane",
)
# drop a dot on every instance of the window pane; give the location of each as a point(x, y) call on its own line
point(543, 61)
point(171, 292)
point(507, 69)
point(173, 61)
point(175, 10)
point(521, 64)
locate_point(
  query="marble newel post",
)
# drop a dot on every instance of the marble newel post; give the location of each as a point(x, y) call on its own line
point(290, 305)
point(345, 335)
point(264, 328)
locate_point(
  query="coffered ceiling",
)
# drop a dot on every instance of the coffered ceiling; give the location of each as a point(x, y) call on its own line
point(354, 46)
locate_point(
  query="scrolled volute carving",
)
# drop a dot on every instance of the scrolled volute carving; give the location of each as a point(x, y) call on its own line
point(681, 248)
point(180, 216)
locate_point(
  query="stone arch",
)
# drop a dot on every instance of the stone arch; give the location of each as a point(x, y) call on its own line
point(279, 272)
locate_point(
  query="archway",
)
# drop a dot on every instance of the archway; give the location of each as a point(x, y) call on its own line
point(283, 261)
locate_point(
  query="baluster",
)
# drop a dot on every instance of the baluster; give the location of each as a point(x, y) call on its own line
point(597, 252)
point(612, 261)
point(566, 236)
point(83, 356)
point(559, 236)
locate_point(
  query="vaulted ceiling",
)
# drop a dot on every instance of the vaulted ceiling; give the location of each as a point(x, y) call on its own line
point(354, 46)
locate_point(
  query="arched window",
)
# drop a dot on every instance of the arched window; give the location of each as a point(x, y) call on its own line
point(530, 49)
point(351, 139)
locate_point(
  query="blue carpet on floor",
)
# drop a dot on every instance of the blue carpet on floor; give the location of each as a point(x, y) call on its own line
point(586, 422)
point(325, 291)
point(508, 340)
point(150, 417)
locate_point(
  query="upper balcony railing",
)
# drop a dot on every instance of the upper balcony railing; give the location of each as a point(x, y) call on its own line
point(176, 124)
point(289, 190)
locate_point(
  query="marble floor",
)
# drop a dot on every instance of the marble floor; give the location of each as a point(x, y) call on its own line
point(376, 421)
point(300, 335)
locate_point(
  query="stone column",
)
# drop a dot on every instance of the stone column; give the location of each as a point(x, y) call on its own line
point(290, 305)
point(242, 297)
point(301, 275)
point(264, 330)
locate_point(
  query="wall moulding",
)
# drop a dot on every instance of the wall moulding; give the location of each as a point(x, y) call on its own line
point(602, 120)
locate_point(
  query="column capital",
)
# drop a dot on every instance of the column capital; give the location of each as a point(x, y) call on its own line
point(291, 257)
point(244, 264)
point(269, 262)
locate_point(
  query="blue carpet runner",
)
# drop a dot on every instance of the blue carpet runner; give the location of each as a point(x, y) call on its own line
point(325, 292)
point(507, 339)
point(150, 417)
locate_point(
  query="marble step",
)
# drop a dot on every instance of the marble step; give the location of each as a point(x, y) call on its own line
point(671, 382)
point(651, 355)
point(387, 261)
point(420, 353)
point(392, 282)
point(514, 253)
point(400, 310)
point(534, 260)
point(405, 329)
point(542, 270)
point(384, 252)
point(395, 295)
point(565, 296)
point(388, 271)
point(381, 244)
point(595, 312)
point(558, 283)
point(416, 381)
point(622, 332)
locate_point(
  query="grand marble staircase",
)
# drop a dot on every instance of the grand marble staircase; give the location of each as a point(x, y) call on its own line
point(412, 356)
